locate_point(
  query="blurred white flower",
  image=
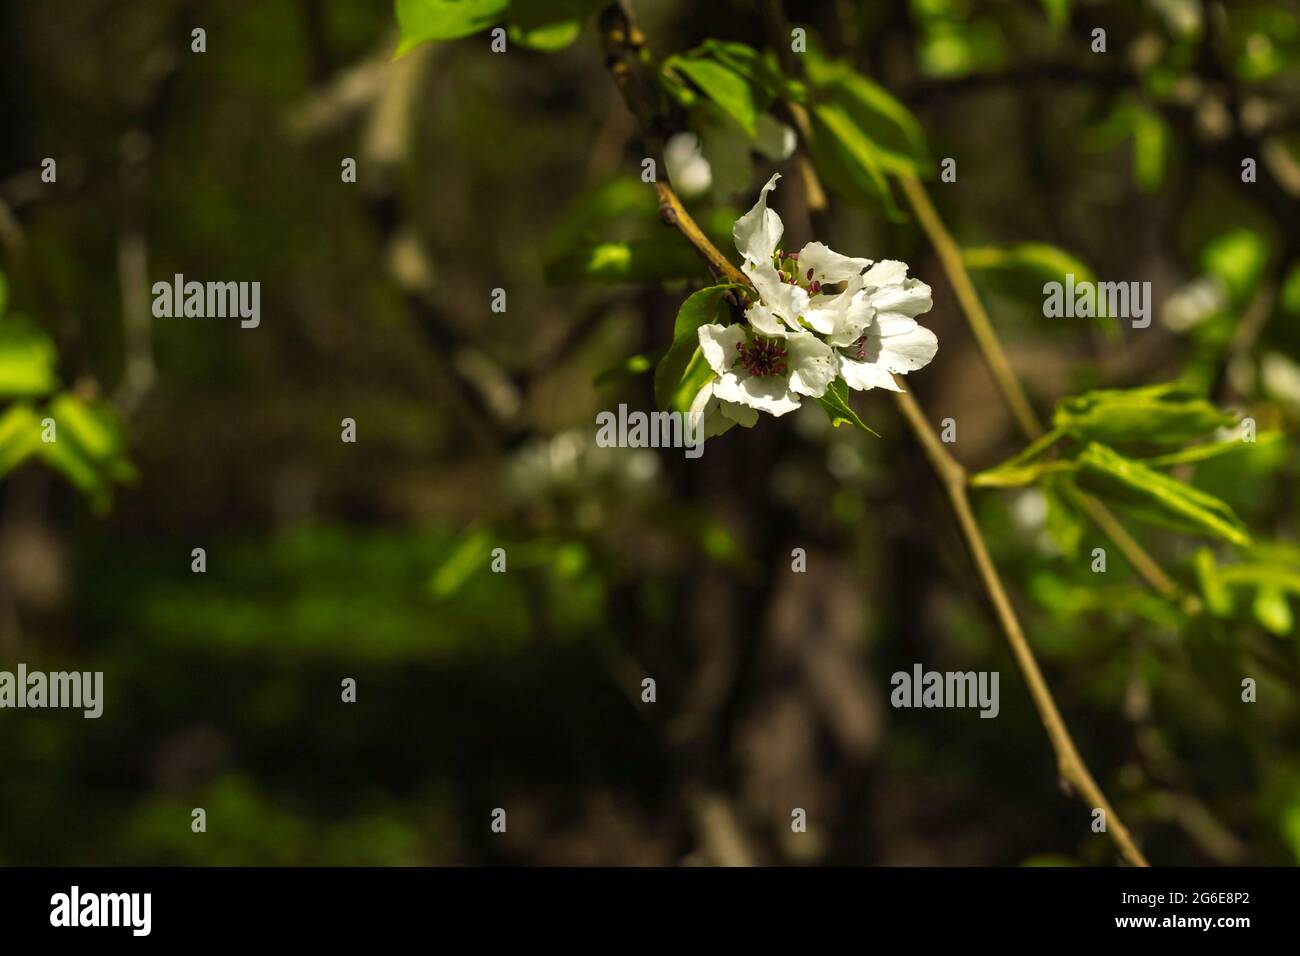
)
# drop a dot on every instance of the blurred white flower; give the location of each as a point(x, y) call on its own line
point(1281, 378)
point(688, 170)
point(773, 139)
point(1192, 304)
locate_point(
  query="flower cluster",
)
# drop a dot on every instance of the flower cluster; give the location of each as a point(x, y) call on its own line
point(817, 316)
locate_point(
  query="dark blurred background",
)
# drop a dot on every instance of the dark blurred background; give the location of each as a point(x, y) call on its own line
point(370, 560)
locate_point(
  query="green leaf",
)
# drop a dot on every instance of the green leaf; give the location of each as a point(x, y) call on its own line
point(470, 554)
point(700, 308)
point(421, 20)
point(895, 136)
point(848, 160)
point(4, 292)
point(698, 373)
point(20, 436)
point(1023, 270)
point(1037, 262)
point(27, 360)
point(88, 449)
point(1165, 414)
point(548, 25)
point(615, 200)
point(1272, 611)
point(760, 69)
point(1151, 140)
point(1289, 298)
point(836, 405)
point(1237, 258)
point(731, 91)
point(631, 260)
point(1155, 497)
point(1064, 521)
point(630, 367)
point(1058, 13)
point(1216, 449)
point(1218, 597)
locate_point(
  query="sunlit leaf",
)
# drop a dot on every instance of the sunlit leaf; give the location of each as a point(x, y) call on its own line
point(632, 260)
point(1154, 496)
point(20, 436)
point(548, 25)
point(835, 402)
point(421, 20)
point(700, 308)
point(848, 160)
point(740, 98)
point(27, 360)
point(1238, 258)
point(1164, 414)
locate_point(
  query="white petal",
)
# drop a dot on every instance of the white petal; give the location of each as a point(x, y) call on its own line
point(758, 231)
point(857, 316)
point(718, 343)
point(740, 414)
point(893, 323)
point(831, 315)
point(907, 352)
point(811, 363)
point(787, 302)
point(715, 421)
point(827, 264)
point(865, 375)
point(909, 298)
point(886, 272)
point(770, 393)
point(763, 321)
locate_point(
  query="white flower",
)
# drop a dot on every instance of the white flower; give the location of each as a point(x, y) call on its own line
point(765, 373)
point(689, 171)
point(817, 315)
point(795, 291)
point(893, 341)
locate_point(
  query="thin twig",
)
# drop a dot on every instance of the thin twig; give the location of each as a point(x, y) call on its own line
point(995, 357)
point(617, 27)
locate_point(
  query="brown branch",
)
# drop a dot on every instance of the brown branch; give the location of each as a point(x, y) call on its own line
point(621, 40)
point(999, 366)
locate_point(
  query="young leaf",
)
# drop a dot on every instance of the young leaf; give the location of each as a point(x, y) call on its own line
point(700, 308)
point(1237, 258)
point(1272, 611)
point(598, 210)
point(1162, 414)
point(733, 92)
point(698, 374)
point(467, 556)
point(548, 25)
point(1154, 496)
point(848, 159)
point(27, 359)
point(20, 436)
point(631, 260)
point(630, 367)
point(89, 448)
point(421, 20)
point(893, 132)
point(836, 405)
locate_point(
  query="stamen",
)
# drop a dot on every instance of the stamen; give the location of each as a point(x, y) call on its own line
point(762, 357)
